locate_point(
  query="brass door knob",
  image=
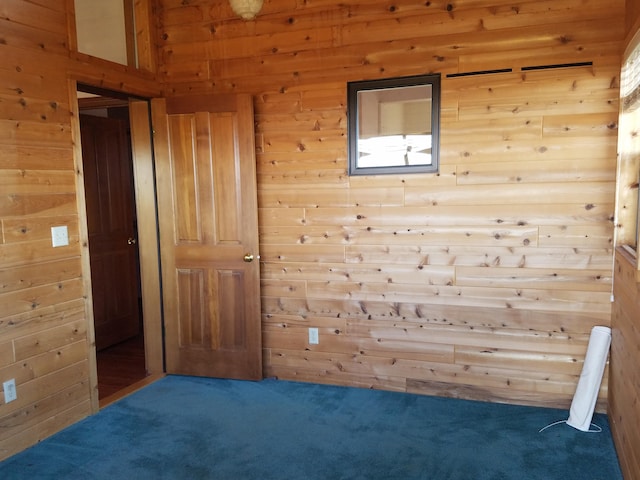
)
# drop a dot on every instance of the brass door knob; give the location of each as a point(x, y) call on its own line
point(248, 257)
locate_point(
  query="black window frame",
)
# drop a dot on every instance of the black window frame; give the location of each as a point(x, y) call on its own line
point(353, 127)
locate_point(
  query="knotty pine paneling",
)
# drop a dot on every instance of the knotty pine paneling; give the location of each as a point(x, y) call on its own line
point(482, 281)
point(320, 228)
point(43, 321)
point(624, 380)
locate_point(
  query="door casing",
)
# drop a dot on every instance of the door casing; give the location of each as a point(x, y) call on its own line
point(148, 241)
point(145, 193)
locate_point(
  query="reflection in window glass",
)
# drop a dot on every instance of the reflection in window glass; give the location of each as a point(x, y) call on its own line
point(629, 145)
point(394, 150)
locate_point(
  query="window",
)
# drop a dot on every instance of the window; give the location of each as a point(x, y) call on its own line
point(627, 212)
point(102, 30)
point(394, 125)
point(119, 31)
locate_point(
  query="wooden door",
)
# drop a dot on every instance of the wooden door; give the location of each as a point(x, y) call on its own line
point(207, 204)
point(111, 224)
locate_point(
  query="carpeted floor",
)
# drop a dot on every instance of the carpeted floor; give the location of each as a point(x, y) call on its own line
point(199, 428)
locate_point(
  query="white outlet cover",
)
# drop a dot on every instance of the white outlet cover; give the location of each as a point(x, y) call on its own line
point(59, 236)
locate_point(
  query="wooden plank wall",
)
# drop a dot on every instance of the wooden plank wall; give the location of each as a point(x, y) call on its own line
point(481, 282)
point(624, 379)
point(43, 319)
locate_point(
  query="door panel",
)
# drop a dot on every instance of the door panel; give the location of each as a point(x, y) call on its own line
point(111, 225)
point(205, 158)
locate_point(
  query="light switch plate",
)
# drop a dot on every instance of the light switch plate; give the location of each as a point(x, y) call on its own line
point(313, 336)
point(59, 236)
point(10, 393)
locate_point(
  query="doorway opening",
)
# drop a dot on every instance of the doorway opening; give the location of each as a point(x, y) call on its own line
point(107, 159)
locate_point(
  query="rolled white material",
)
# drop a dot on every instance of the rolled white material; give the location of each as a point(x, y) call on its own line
point(584, 400)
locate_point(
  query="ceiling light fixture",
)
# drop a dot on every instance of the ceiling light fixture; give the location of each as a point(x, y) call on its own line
point(247, 9)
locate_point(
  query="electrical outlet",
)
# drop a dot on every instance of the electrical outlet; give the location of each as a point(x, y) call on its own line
point(59, 236)
point(313, 336)
point(10, 393)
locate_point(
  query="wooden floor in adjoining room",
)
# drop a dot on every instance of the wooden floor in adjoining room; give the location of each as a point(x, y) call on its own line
point(120, 366)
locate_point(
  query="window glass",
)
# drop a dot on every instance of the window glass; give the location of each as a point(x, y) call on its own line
point(104, 29)
point(629, 147)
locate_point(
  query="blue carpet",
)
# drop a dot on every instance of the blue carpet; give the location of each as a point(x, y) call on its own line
point(200, 428)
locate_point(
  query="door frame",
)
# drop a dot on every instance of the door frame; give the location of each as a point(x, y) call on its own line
point(148, 246)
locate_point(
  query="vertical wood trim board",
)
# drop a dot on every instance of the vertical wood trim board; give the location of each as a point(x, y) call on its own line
point(147, 219)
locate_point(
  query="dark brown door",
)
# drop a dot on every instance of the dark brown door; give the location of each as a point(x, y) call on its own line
point(207, 204)
point(111, 225)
